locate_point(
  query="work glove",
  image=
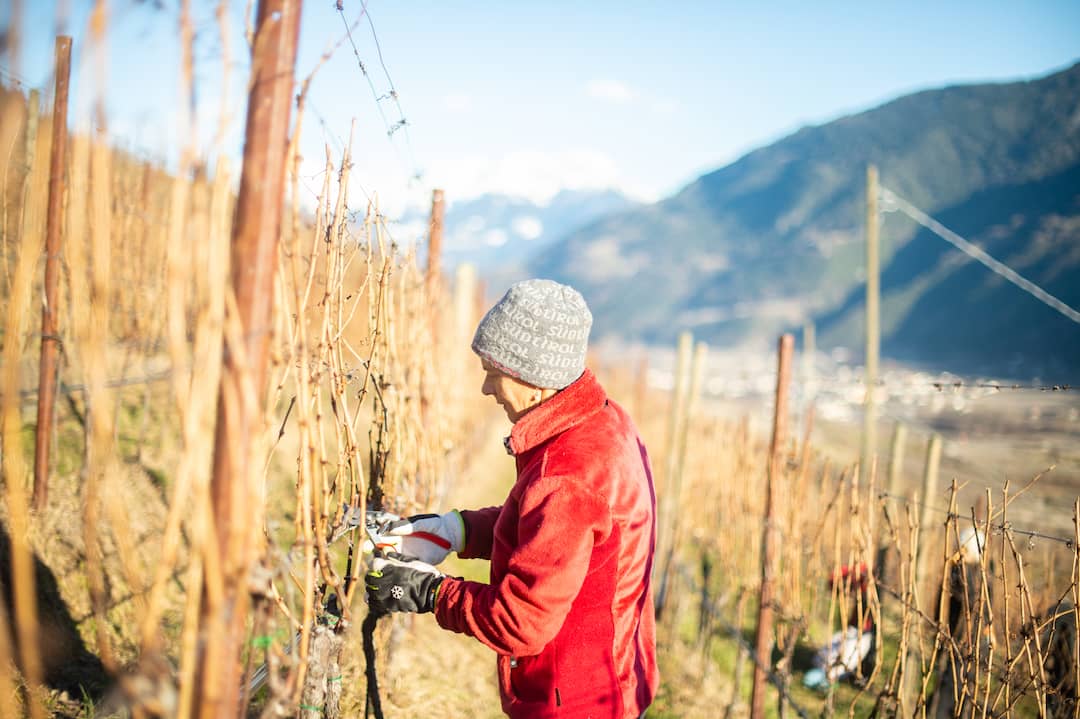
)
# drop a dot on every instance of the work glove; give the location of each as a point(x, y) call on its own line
point(397, 583)
point(428, 537)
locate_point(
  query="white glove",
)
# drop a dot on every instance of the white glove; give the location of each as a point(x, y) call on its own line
point(428, 537)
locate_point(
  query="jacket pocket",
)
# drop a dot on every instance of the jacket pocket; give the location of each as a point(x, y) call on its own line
point(505, 684)
point(534, 679)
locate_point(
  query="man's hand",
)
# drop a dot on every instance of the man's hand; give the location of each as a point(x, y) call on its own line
point(428, 537)
point(397, 583)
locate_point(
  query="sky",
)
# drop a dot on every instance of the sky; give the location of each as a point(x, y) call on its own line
point(527, 98)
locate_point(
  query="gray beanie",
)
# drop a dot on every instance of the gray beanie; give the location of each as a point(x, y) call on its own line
point(537, 333)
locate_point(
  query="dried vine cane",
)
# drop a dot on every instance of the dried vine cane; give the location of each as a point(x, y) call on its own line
point(373, 704)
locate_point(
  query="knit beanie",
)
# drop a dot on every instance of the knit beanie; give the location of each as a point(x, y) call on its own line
point(537, 333)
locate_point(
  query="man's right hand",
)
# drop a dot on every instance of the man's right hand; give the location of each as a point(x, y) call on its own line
point(429, 537)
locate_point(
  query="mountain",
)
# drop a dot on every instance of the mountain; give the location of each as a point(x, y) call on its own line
point(498, 232)
point(777, 237)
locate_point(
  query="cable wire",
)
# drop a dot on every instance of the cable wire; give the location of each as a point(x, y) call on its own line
point(893, 201)
point(17, 80)
point(946, 385)
point(393, 95)
point(401, 123)
point(327, 132)
point(1001, 527)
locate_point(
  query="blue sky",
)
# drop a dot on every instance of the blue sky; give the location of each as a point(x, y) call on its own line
point(527, 98)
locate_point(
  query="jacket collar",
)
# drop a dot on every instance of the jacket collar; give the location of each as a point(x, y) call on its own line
point(569, 407)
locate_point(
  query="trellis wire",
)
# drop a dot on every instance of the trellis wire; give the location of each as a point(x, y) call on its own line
point(894, 200)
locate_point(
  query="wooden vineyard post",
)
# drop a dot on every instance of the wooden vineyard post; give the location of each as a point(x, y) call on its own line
point(255, 237)
point(53, 222)
point(463, 316)
point(929, 493)
point(911, 690)
point(33, 111)
point(896, 458)
point(666, 519)
point(675, 422)
point(19, 620)
point(740, 657)
point(433, 289)
point(769, 540)
point(697, 372)
point(435, 240)
point(896, 470)
point(433, 274)
point(674, 489)
point(873, 333)
point(693, 393)
point(809, 369)
point(464, 302)
point(480, 307)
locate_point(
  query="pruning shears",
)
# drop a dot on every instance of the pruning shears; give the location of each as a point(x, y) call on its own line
point(377, 527)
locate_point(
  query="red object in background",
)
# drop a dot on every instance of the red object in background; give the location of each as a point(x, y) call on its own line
point(852, 581)
point(858, 581)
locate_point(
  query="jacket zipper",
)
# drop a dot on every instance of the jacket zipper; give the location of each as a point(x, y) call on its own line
point(558, 698)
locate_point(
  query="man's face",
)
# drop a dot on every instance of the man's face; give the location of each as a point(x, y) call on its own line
point(514, 396)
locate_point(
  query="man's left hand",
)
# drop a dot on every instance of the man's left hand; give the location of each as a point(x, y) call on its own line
point(397, 583)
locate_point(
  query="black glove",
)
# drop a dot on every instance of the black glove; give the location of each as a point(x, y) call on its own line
point(397, 583)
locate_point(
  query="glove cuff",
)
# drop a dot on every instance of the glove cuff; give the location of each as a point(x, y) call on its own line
point(455, 525)
point(430, 593)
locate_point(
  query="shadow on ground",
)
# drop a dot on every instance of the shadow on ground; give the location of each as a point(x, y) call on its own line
point(68, 665)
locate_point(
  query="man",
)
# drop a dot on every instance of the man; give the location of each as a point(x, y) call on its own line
point(569, 606)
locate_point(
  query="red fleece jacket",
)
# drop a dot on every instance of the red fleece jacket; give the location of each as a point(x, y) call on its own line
point(569, 608)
